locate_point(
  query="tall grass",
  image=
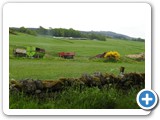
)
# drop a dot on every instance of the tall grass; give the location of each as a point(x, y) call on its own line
point(89, 98)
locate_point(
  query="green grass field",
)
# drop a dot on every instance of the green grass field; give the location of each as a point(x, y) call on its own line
point(51, 67)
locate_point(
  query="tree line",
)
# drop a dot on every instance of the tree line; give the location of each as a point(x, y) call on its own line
point(58, 32)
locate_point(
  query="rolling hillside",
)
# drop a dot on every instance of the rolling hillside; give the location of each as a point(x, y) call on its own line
point(53, 67)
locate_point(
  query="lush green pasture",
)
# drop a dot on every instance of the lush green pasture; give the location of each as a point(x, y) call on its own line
point(85, 48)
point(53, 67)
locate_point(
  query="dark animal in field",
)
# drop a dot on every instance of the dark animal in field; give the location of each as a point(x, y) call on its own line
point(39, 53)
point(99, 55)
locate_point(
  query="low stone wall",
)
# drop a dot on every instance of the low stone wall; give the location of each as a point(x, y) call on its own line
point(124, 82)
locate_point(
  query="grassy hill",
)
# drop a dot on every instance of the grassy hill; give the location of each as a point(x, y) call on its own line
point(53, 67)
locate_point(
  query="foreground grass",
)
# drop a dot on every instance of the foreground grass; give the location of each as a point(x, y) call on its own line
point(90, 98)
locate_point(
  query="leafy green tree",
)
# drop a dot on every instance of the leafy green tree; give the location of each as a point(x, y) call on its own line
point(28, 31)
point(41, 30)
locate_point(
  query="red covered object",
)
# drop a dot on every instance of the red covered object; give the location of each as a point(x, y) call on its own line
point(66, 54)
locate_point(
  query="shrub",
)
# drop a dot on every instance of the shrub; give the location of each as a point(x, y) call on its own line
point(12, 31)
point(27, 30)
point(112, 56)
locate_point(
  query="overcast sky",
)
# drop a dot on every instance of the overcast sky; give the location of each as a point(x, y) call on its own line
point(129, 19)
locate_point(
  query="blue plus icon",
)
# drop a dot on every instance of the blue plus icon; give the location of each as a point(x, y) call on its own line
point(147, 99)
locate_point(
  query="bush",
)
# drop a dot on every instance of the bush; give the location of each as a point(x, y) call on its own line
point(27, 31)
point(12, 31)
point(112, 56)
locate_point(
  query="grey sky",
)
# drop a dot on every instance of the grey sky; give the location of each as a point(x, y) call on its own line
point(125, 18)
